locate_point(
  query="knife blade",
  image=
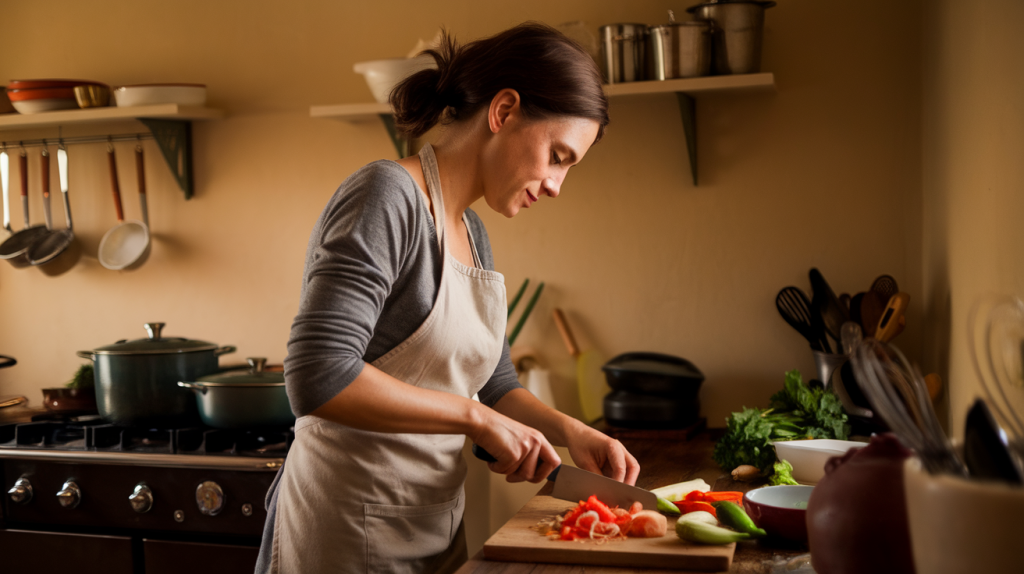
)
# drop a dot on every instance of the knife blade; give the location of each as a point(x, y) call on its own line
point(575, 484)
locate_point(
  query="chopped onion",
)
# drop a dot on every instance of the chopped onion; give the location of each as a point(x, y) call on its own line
point(612, 533)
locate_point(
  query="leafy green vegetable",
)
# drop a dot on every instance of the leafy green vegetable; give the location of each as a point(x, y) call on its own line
point(797, 411)
point(85, 378)
point(783, 474)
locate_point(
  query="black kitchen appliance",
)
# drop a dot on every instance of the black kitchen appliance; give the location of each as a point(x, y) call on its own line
point(82, 495)
point(652, 391)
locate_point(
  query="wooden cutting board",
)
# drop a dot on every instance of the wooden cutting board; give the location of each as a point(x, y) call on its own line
point(517, 541)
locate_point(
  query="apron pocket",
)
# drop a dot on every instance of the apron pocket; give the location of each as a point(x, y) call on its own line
point(403, 538)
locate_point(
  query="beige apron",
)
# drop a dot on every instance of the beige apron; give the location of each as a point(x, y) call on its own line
point(364, 502)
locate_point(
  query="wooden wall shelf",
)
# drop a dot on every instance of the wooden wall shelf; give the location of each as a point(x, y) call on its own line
point(685, 89)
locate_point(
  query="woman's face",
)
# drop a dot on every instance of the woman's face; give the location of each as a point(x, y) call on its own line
point(531, 157)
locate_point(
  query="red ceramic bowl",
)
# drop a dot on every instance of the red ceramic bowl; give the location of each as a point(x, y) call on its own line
point(33, 84)
point(780, 511)
point(40, 94)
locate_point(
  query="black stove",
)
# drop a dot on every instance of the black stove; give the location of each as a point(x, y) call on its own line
point(85, 494)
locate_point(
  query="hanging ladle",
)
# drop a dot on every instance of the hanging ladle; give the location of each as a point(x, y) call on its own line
point(56, 241)
point(15, 248)
point(127, 243)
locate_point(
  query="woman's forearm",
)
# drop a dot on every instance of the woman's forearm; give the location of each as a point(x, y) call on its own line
point(376, 401)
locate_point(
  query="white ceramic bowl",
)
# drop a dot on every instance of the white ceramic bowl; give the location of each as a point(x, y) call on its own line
point(153, 94)
point(383, 75)
point(45, 105)
point(959, 525)
point(808, 457)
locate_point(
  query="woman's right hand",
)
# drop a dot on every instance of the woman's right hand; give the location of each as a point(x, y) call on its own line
point(523, 453)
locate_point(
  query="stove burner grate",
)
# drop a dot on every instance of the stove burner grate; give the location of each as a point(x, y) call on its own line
point(96, 435)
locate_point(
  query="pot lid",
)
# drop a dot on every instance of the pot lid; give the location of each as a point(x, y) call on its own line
point(654, 364)
point(253, 376)
point(672, 23)
point(154, 345)
point(762, 3)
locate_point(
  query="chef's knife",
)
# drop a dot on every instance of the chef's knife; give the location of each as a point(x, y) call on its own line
point(575, 484)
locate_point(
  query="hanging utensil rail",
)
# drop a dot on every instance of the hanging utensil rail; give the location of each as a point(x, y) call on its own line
point(47, 142)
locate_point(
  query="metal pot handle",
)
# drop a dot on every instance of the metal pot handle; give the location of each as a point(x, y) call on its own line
point(193, 386)
point(84, 354)
point(225, 350)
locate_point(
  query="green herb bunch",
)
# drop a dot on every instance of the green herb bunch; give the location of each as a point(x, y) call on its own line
point(797, 411)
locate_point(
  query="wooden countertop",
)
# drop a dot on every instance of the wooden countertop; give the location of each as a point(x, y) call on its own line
point(661, 462)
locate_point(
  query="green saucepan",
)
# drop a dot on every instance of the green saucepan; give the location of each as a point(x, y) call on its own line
point(242, 399)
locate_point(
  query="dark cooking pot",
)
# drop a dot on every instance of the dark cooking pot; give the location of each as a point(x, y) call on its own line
point(653, 374)
point(243, 399)
point(137, 381)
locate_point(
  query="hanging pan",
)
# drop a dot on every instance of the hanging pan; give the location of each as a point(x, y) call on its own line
point(48, 247)
point(15, 248)
point(127, 244)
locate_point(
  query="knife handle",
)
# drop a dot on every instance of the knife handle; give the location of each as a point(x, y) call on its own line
point(479, 452)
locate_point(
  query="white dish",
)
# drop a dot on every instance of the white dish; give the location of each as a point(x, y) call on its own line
point(45, 105)
point(383, 75)
point(153, 94)
point(808, 457)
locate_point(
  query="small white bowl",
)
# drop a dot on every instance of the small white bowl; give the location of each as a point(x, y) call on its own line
point(808, 457)
point(45, 105)
point(154, 94)
point(383, 75)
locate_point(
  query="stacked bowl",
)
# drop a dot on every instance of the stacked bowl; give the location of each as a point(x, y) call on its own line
point(35, 96)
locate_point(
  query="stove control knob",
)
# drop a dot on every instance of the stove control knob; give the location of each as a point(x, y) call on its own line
point(142, 499)
point(210, 498)
point(21, 492)
point(70, 495)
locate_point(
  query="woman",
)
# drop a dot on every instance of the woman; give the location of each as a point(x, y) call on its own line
point(402, 318)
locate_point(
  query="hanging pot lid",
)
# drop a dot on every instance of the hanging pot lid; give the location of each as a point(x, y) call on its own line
point(254, 376)
point(156, 344)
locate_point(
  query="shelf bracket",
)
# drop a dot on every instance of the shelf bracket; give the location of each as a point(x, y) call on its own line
point(401, 144)
point(175, 140)
point(688, 111)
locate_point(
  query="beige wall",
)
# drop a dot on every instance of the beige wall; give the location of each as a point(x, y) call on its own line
point(824, 172)
point(973, 177)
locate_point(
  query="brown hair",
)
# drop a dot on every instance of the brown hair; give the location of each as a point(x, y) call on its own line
point(553, 75)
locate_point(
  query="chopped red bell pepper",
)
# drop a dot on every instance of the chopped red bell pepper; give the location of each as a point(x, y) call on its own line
point(603, 512)
point(686, 506)
point(572, 515)
point(695, 496)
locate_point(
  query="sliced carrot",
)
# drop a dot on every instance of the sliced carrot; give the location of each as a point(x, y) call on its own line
point(717, 495)
point(686, 506)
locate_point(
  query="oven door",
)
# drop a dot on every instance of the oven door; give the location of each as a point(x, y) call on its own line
point(23, 551)
point(172, 557)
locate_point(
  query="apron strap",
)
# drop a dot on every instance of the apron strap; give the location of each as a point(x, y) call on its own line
point(431, 175)
point(428, 161)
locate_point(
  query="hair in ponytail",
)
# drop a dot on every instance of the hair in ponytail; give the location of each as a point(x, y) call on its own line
point(553, 75)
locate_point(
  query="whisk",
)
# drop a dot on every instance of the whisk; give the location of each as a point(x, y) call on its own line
point(998, 362)
point(892, 385)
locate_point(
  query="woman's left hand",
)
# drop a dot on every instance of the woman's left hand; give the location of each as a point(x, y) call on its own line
point(599, 453)
point(590, 449)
